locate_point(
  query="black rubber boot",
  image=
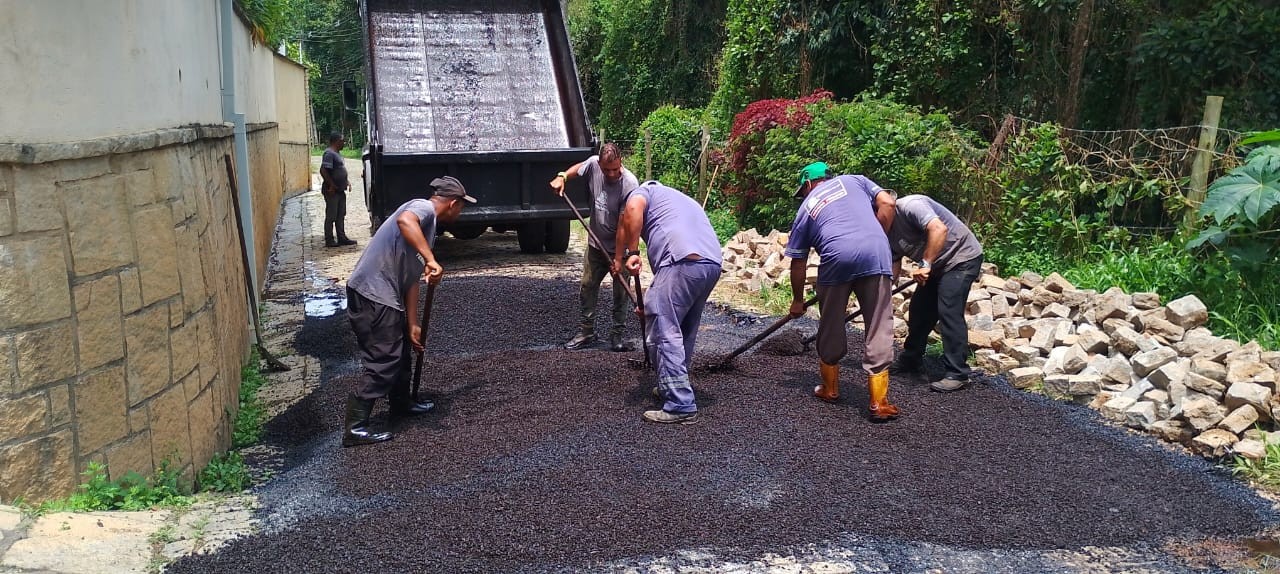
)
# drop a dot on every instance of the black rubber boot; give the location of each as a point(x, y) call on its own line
point(407, 407)
point(329, 241)
point(357, 424)
point(341, 228)
point(617, 344)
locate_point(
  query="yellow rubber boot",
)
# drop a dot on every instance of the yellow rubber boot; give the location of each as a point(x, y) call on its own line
point(829, 390)
point(878, 388)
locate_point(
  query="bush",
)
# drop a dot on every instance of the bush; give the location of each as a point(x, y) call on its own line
point(675, 141)
point(724, 222)
point(895, 145)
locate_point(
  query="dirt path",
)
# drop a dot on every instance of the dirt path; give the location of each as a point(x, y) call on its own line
point(536, 459)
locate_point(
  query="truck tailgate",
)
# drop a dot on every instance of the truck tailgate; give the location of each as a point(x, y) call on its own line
point(464, 76)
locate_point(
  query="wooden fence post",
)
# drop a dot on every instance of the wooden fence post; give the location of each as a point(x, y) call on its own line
point(1204, 159)
point(648, 157)
point(702, 163)
point(602, 140)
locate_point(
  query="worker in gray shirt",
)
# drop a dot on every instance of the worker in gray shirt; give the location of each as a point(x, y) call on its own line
point(608, 182)
point(950, 260)
point(382, 304)
point(334, 187)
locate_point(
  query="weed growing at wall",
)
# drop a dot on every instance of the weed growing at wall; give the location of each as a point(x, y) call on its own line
point(129, 492)
point(252, 414)
point(225, 473)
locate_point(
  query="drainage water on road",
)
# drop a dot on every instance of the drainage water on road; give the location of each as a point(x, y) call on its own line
point(325, 297)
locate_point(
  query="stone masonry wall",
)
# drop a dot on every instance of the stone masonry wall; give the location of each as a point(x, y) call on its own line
point(122, 304)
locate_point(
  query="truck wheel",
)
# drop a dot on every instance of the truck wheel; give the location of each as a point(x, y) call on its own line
point(468, 231)
point(532, 236)
point(375, 222)
point(557, 236)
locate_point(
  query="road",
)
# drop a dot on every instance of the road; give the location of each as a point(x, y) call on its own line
point(536, 459)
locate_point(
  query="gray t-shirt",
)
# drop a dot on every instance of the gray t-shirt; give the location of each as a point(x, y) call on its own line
point(907, 236)
point(332, 161)
point(675, 226)
point(606, 201)
point(389, 266)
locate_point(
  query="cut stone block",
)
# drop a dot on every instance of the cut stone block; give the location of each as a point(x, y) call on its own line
point(1187, 312)
point(1240, 420)
point(1146, 362)
point(1214, 443)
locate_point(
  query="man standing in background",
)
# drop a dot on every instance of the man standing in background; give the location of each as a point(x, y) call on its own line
point(336, 184)
point(608, 182)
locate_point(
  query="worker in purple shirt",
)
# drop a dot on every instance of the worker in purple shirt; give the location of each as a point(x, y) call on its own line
point(684, 254)
point(382, 304)
point(950, 260)
point(845, 219)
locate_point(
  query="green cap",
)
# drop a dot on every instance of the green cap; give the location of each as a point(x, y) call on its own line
point(815, 170)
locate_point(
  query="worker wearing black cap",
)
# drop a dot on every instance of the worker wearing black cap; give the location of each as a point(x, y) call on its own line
point(382, 301)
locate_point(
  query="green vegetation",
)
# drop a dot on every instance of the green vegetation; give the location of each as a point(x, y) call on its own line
point(129, 492)
point(1264, 472)
point(225, 473)
point(349, 153)
point(252, 414)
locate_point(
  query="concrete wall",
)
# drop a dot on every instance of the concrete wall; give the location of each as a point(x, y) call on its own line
point(291, 115)
point(73, 70)
point(122, 313)
point(123, 316)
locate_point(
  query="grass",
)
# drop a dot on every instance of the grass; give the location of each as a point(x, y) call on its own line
point(776, 300)
point(1264, 472)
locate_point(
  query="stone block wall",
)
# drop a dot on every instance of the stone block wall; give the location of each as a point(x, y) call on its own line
point(122, 304)
point(295, 158)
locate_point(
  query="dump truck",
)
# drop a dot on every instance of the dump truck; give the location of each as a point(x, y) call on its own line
point(485, 91)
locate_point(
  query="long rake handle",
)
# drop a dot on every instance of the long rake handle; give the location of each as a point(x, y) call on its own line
point(854, 315)
point(774, 327)
point(644, 337)
point(426, 321)
point(618, 280)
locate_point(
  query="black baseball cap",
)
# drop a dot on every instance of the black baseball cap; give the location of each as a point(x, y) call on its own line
point(449, 186)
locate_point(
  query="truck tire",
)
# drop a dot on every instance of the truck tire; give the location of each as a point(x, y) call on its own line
point(468, 231)
point(375, 221)
point(532, 236)
point(557, 240)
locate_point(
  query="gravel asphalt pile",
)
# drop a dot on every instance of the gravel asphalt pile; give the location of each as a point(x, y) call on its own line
point(536, 459)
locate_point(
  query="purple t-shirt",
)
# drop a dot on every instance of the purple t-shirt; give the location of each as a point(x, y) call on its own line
point(838, 218)
point(675, 226)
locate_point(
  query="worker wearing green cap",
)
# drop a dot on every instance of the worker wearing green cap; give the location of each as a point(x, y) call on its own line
point(846, 218)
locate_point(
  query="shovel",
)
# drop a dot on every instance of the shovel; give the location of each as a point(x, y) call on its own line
point(643, 335)
point(854, 315)
point(426, 320)
point(756, 339)
point(635, 295)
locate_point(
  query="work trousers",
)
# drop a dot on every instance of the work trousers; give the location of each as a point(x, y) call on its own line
point(335, 214)
point(595, 266)
point(382, 336)
point(672, 312)
point(941, 300)
point(875, 300)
